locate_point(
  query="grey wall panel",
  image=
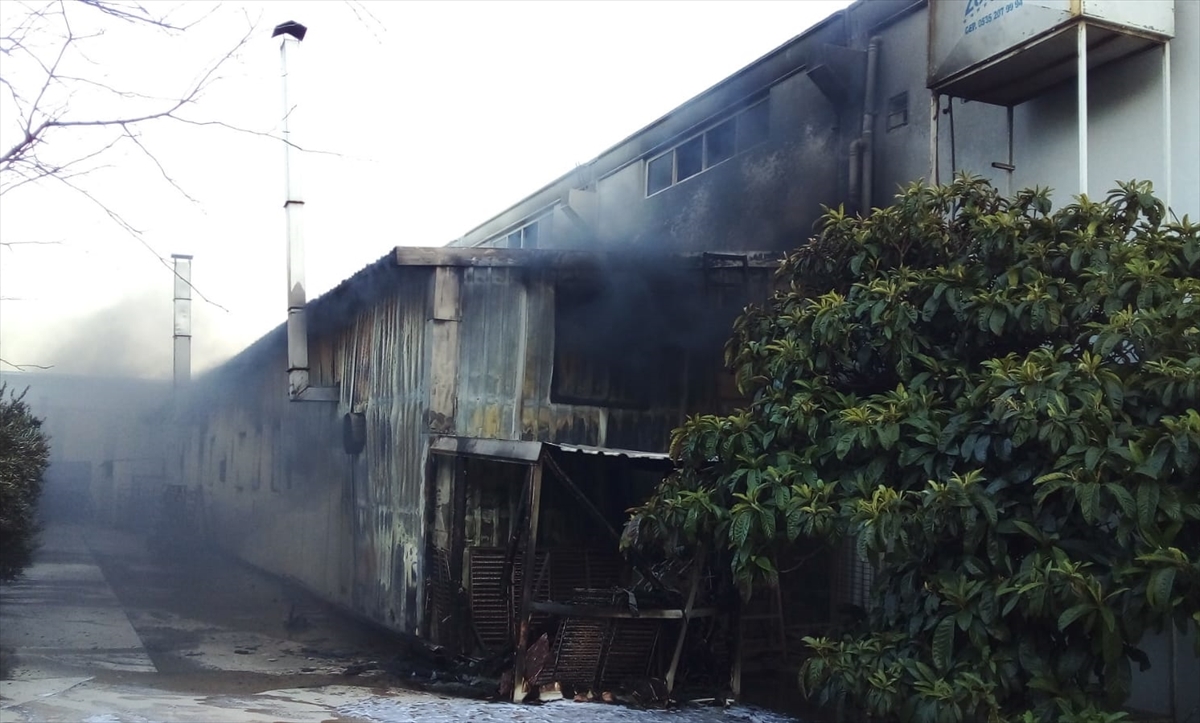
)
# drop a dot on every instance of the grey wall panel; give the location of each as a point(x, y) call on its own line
point(281, 492)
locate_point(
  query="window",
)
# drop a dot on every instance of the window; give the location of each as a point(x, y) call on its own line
point(897, 111)
point(523, 238)
point(705, 150)
point(689, 159)
point(752, 127)
point(720, 143)
point(530, 236)
point(660, 174)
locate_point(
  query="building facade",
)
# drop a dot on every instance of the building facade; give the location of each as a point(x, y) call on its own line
point(452, 374)
point(570, 319)
point(845, 114)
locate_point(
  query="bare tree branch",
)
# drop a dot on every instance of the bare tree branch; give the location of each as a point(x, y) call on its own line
point(9, 244)
point(252, 132)
point(363, 14)
point(136, 13)
point(31, 170)
point(137, 235)
point(131, 135)
point(34, 132)
point(125, 94)
point(44, 38)
point(40, 121)
point(23, 367)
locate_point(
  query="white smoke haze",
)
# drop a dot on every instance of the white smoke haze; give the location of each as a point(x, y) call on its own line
point(133, 338)
point(435, 122)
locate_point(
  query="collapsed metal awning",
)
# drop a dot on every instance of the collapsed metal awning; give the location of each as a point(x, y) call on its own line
point(526, 452)
point(601, 634)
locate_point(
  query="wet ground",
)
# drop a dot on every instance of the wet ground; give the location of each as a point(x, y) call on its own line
point(100, 630)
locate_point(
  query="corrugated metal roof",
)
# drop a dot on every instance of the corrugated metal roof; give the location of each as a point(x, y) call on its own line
point(335, 307)
point(612, 452)
point(526, 452)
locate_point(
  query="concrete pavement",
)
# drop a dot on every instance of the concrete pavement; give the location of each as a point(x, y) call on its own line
point(102, 632)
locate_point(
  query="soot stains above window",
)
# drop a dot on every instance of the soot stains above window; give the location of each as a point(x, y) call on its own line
point(704, 150)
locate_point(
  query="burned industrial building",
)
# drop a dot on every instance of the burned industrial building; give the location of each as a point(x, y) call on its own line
point(446, 443)
point(472, 441)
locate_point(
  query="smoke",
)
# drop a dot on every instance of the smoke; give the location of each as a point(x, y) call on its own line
point(641, 326)
point(131, 338)
point(623, 312)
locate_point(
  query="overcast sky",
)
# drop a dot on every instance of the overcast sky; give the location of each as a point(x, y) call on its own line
point(433, 117)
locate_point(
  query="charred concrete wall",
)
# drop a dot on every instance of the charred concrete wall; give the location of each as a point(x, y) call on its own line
point(767, 195)
point(748, 162)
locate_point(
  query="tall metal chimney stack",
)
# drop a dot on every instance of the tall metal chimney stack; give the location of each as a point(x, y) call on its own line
point(297, 323)
point(183, 319)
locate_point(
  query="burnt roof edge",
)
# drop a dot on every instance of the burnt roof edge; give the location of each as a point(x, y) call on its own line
point(415, 256)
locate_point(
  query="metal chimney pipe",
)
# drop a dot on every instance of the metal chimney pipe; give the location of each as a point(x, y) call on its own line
point(183, 319)
point(293, 207)
point(299, 388)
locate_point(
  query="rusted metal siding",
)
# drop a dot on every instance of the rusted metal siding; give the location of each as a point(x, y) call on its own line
point(506, 366)
point(382, 358)
point(491, 352)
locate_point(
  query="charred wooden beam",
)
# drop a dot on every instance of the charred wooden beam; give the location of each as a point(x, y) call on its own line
point(534, 494)
point(510, 556)
point(458, 534)
point(697, 565)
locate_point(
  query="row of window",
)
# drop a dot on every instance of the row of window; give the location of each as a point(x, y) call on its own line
point(693, 156)
point(523, 238)
point(707, 149)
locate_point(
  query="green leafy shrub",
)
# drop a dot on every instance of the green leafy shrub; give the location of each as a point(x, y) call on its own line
point(997, 404)
point(24, 454)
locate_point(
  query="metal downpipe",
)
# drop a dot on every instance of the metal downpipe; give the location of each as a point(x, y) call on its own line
point(868, 125)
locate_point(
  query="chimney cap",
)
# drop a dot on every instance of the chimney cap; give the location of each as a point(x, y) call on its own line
point(291, 27)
